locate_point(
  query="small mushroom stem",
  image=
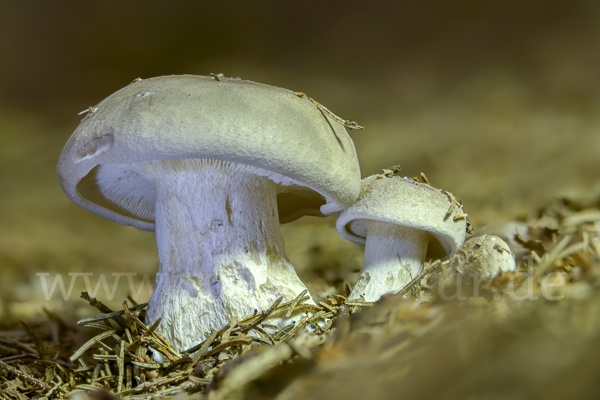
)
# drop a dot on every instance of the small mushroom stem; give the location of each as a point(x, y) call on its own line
point(220, 248)
point(394, 255)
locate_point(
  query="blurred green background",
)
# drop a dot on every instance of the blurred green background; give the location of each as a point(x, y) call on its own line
point(496, 101)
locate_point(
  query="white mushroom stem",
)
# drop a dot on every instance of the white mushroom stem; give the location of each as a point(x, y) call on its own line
point(394, 255)
point(220, 248)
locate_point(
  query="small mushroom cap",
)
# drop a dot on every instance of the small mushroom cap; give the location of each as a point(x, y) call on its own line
point(405, 202)
point(484, 255)
point(197, 117)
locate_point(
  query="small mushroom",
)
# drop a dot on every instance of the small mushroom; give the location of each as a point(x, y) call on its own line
point(212, 166)
point(401, 222)
point(483, 257)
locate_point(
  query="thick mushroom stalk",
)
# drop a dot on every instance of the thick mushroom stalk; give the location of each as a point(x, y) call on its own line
point(220, 248)
point(394, 255)
point(221, 252)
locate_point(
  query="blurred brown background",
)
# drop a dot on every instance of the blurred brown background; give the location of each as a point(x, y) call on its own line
point(495, 101)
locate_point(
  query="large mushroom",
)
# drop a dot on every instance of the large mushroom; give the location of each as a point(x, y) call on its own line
point(401, 222)
point(213, 166)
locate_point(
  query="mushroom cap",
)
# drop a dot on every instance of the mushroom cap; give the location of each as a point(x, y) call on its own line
point(190, 117)
point(405, 202)
point(485, 256)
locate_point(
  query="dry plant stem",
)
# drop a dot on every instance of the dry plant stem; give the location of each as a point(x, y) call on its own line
point(415, 281)
point(24, 376)
point(220, 249)
point(394, 255)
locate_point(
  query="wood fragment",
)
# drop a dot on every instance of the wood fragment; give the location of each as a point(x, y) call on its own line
point(284, 331)
point(348, 124)
point(131, 300)
point(111, 315)
point(148, 365)
point(44, 348)
point(364, 304)
point(199, 381)
point(153, 327)
point(223, 346)
point(175, 378)
point(30, 379)
point(83, 370)
point(458, 217)
point(121, 366)
point(327, 307)
point(294, 304)
point(97, 368)
point(202, 349)
point(128, 376)
point(130, 319)
point(265, 335)
point(99, 342)
point(178, 364)
point(454, 203)
point(129, 337)
point(552, 256)
point(230, 327)
point(262, 316)
point(106, 357)
point(90, 343)
point(15, 343)
point(536, 258)
point(300, 325)
point(426, 271)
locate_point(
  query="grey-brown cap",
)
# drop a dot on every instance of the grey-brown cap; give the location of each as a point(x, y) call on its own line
point(231, 120)
point(405, 202)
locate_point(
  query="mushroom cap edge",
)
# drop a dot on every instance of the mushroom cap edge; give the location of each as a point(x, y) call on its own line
point(158, 118)
point(402, 201)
